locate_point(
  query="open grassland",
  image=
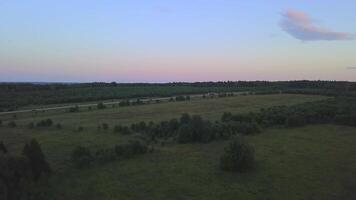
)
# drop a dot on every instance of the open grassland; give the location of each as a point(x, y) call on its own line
point(211, 109)
point(312, 162)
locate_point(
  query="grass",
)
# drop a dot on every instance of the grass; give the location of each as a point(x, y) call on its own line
point(313, 162)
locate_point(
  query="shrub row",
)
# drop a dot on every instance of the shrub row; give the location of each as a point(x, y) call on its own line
point(82, 157)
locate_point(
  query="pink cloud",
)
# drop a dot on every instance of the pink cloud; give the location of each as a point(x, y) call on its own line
point(299, 25)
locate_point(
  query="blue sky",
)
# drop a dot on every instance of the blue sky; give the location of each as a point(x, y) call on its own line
point(163, 41)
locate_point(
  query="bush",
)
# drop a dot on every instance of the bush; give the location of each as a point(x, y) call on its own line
point(105, 155)
point(31, 125)
point(238, 156)
point(81, 157)
point(59, 126)
point(134, 147)
point(245, 128)
point(295, 120)
point(101, 105)
point(185, 118)
point(74, 109)
point(0, 123)
point(80, 129)
point(105, 126)
point(3, 149)
point(122, 129)
point(45, 123)
point(12, 124)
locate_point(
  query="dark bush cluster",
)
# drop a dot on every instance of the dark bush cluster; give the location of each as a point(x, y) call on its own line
point(193, 129)
point(125, 130)
point(225, 94)
point(74, 109)
point(182, 98)
point(238, 156)
point(124, 103)
point(12, 124)
point(82, 157)
point(45, 123)
point(338, 110)
point(101, 106)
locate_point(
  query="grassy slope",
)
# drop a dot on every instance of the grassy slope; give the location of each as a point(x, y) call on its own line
point(315, 162)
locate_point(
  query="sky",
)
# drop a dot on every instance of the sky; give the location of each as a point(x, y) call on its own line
point(177, 40)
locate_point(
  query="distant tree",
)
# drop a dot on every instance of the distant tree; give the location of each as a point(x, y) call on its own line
point(12, 124)
point(80, 129)
point(2, 147)
point(74, 109)
point(185, 118)
point(101, 105)
point(238, 156)
point(81, 157)
point(105, 126)
point(59, 126)
point(295, 120)
point(31, 125)
point(38, 163)
point(122, 129)
point(227, 116)
point(185, 134)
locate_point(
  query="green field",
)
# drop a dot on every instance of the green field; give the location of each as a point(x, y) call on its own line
point(312, 162)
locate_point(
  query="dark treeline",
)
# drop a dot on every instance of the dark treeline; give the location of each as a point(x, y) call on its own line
point(14, 95)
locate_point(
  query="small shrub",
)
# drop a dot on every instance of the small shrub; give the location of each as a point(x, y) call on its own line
point(101, 105)
point(238, 156)
point(31, 125)
point(45, 123)
point(80, 129)
point(12, 124)
point(3, 149)
point(105, 126)
point(105, 155)
point(122, 129)
point(58, 126)
point(74, 109)
point(81, 157)
point(295, 120)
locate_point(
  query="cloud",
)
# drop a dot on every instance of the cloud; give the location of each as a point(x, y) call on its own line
point(354, 68)
point(299, 25)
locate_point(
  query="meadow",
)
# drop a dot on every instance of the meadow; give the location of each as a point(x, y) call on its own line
point(311, 162)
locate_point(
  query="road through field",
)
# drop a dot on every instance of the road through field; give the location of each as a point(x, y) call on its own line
point(145, 99)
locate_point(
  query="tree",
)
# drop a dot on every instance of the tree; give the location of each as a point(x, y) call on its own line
point(82, 157)
point(31, 125)
point(238, 156)
point(185, 118)
point(2, 147)
point(101, 105)
point(105, 126)
point(38, 162)
point(15, 175)
point(11, 124)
